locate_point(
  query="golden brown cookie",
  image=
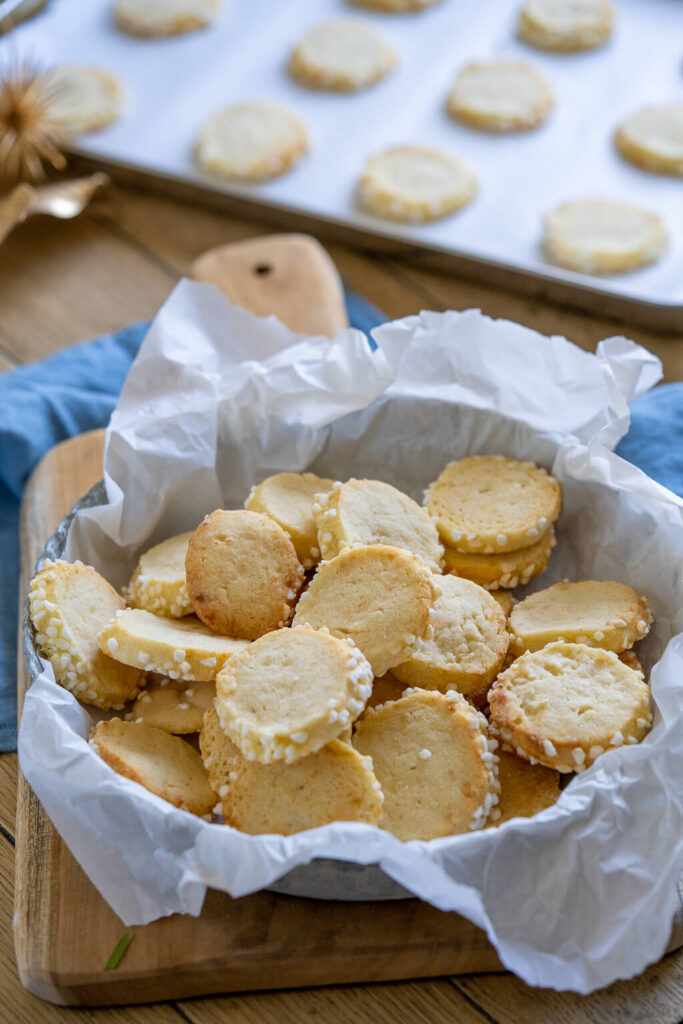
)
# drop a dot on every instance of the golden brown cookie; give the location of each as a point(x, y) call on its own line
point(163, 764)
point(153, 18)
point(243, 574)
point(509, 569)
point(174, 706)
point(500, 96)
point(653, 139)
point(434, 762)
point(288, 499)
point(565, 26)
point(377, 596)
point(291, 692)
point(69, 604)
point(505, 600)
point(334, 784)
point(361, 512)
point(158, 583)
point(415, 184)
point(385, 688)
point(219, 753)
point(468, 645)
point(565, 705)
point(487, 504)
point(251, 142)
point(80, 98)
point(631, 659)
point(179, 648)
point(599, 613)
point(344, 54)
point(525, 789)
point(600, 236)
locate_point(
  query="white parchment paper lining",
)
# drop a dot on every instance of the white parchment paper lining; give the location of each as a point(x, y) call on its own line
point(217, 399)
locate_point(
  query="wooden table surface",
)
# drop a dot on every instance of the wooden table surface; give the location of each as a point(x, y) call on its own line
point(62, 282)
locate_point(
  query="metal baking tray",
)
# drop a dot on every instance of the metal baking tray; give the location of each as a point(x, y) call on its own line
point(172, 85)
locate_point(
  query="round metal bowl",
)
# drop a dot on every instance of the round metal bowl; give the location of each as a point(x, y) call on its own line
point(319, 880)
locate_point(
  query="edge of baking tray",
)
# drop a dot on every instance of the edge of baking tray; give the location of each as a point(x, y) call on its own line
point(559, 286)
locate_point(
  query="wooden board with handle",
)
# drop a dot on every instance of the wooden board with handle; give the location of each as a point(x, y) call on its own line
point(64, 930)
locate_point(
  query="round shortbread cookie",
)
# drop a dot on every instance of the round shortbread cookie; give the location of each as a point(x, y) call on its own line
point(509, 569)
point(334, 784)
point(377, 596)
point(361, 512)
point(394, 6)
point(468, 645)
point(81, 98)
point(163, 17)
point(434, 763)
point(219, 753)
point(487, 504)
point(158, 583)
point(525, 789)
point(653, 139)
point(243, 574)
point(631, 659)
point(598, 236)
point(500, 96)
point(178, 648)
point(384, 689)
point(565, 26)
point(413, 184)
point(69, 605)
point(291, 692)
point(288, 499)
point(162, 763)
point(344, 55)
point(566, 704)
point(597, 613)
point(174, 706)
point(251, 141)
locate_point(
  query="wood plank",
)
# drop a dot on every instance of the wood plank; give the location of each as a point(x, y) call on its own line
point(443, 291)
point(66, 281)
point(429, 1002)
point(9, 769)
point(656, 997)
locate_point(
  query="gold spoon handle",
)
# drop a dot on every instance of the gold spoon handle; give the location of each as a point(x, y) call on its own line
point(15, 208)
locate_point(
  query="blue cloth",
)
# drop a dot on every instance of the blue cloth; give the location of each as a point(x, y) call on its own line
point(76, 390)
point(42, 404)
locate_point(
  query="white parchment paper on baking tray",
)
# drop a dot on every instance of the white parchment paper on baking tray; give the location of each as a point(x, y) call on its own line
point(578, 896)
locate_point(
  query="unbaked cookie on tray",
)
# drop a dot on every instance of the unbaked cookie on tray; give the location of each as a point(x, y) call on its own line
point(251, 141)
point(600, 236)
point(344, 55)
point(500, 96)
point(415, 184)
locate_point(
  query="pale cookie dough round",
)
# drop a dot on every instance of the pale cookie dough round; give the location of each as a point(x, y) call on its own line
point(468, 645)
point(487, 504)
point(525, 789)
point(251, 141)
point(163, 17)
point(361, 512)
point(69, 605)
point(598, 236)
point(334, 784)
point(288, 499)
point(377, 596)
point(158, 583)
point(344, 55)
point(291, 692)
point(565, 705)
point(500, 96)
point(509, 569)
point(174, 706)
point(434, 762)
point(414, 185)
point(653, 139)
point(597, 613)
point(178, 648)
point(162, 763)
point(394, 6)
point(81, 98)
point(219, 753)
point(243, 574)
point(565, 26)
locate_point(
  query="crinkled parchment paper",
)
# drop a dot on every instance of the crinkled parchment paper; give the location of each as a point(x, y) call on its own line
point(217, 399)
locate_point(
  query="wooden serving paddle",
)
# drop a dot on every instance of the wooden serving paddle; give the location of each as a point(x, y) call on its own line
point(289, 276)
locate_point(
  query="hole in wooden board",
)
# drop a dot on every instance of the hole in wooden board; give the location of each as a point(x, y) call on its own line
point(263, 269)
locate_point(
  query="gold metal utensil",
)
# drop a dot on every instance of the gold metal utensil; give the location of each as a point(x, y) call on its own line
point(63, 199)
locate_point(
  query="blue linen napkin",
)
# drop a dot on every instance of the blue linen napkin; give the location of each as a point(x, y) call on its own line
point(76, 390)
point(44, 403)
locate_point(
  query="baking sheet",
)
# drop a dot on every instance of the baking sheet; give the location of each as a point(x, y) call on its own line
point(216, 400)
point(174, 84)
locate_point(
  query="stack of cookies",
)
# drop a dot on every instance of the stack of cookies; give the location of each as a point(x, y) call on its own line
point(337, 652)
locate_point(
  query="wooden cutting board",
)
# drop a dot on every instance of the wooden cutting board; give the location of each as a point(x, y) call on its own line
point(65, 932)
